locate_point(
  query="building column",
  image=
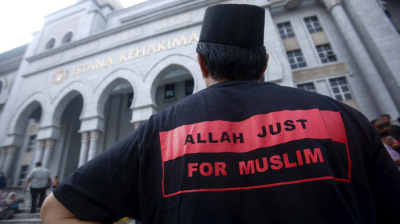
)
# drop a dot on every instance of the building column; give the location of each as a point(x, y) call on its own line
point(94, 138)
point(3, 152)
point(39, 150)
point(47, 151)
point(84, 149)
point(3, 155)
point(379, 92)
point(9, 158)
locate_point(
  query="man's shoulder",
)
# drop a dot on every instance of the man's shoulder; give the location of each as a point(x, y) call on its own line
point(41, 170)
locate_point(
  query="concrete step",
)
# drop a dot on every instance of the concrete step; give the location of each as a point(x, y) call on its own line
point(23, 218)
point(21, 221)
point(26, 216)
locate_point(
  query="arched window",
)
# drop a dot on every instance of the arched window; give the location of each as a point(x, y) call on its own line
point(50, 44)
point(67, 38)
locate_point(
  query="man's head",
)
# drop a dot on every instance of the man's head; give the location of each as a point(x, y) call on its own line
point(38, 164)
point(231, 44)
point(385, 119)
point(376, 123)
point(386, 138)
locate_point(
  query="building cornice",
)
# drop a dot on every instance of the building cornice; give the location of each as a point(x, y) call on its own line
point(55, 65)
point(133, 22)
point(329, 4)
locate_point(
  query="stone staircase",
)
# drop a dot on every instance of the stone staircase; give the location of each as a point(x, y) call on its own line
point(25, 217)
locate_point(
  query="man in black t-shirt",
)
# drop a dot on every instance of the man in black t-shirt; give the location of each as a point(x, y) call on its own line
point(239, 151)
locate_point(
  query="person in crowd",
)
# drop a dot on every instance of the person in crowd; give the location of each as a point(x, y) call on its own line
point(386, 125)
point(3, 184)
point(55, 182)
point(38, 179)
point(377, 124)
point(388, 142)
point(239, 151)
point(10, 206)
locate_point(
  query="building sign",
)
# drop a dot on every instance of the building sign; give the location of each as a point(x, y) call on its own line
point(60, 76)
point(126, 56)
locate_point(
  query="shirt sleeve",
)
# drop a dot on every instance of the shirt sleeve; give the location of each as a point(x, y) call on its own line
point(105, 189)
point(30, 174)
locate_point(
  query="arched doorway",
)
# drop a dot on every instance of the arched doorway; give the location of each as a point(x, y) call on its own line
point(28, 124)
point(172, 84)
point(70, 142)
point(117, 113)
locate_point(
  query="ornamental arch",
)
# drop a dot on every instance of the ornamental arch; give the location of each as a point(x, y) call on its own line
point(172, 79)
point(117, 113)
point(22, 116)
point(107, 85)
point(24, 131)
point(63, 98)
point(63, 142)
point(115, 97)
point(67, 147)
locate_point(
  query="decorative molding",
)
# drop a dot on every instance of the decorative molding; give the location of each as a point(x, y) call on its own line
point(127, 23)
point(11, 149)
point(320, 72)
point(50, 143)
point(41, 144)
point(329, 4)
point(84, 137)
point(94, 135)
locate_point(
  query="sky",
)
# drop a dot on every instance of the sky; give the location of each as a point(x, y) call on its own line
point(20, 18)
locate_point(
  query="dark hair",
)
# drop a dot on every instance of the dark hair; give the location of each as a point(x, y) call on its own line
point(373, 121)
point(38, 164)
point(233, 62)
point(386, 115)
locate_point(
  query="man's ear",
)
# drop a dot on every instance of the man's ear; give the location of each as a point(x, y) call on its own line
point(203, 66)
point(266, 63)
point(261, 77)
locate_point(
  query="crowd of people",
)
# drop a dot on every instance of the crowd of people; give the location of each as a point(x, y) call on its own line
point(390, 135)
point(39, 181)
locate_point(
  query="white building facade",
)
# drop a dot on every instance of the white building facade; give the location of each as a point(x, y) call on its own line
point(97, 70)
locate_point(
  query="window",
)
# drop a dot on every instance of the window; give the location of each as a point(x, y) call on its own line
point(340, 89)
point(313, 24)
point(326, 54)
point(50, 44)
point(169, 92)
point(189, 86)
point(31, 143)
point(307, 86)
point(1, 86)
point(67, 38)
point(22, 175)
point(296, 59)
point(285, 30)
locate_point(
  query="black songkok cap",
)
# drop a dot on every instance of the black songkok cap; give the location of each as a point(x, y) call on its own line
point(234, 24)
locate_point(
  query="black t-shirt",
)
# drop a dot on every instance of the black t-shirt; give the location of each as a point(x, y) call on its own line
point(242, 152)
